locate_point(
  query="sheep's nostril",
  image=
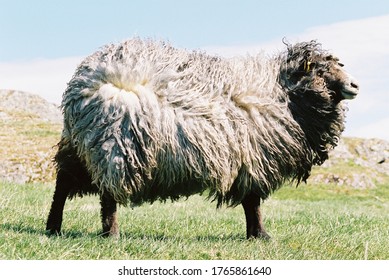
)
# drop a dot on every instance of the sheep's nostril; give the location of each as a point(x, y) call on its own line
point(354, 85)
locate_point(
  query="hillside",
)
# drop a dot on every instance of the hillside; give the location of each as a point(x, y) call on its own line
point(355, 162)
point(30, 128)
point(27, 104)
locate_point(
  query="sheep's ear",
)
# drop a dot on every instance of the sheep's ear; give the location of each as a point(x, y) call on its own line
point(331, 57)
point(307, 65)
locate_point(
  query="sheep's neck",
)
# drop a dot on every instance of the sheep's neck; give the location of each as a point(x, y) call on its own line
point(321, 121)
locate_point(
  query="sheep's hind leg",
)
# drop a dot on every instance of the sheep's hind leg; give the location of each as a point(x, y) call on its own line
point(109, 215)
point(254, 224)
point(62, 189)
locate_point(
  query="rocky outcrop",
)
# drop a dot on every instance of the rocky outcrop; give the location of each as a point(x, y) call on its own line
point(19, 101)
point(355, 162)
point(29, 129)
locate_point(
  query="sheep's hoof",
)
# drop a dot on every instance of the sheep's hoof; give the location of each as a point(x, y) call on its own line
point(110, 234)
point(260, 235)
point(264, 236)
point(53, 232)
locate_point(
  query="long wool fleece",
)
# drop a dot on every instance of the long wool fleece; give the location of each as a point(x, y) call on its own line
point(150, 121)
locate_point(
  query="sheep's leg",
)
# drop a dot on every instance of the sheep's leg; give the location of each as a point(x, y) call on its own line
point(254, 224)
point(62, 189)
point(109, 215)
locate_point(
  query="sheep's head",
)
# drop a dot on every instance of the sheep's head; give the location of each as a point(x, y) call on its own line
point(308, 67)
point(315, 82)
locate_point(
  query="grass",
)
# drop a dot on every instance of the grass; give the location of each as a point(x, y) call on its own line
point(310, 222)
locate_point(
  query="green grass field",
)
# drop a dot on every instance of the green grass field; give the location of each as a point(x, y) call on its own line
point(310, 222)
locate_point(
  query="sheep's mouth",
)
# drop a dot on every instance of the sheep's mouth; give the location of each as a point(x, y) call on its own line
point(350, 91)
point(350, 88)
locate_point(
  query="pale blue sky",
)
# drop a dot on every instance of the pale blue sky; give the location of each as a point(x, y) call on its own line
point(42, 42)
point(52, 29)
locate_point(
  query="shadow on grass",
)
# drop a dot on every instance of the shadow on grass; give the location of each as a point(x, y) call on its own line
point(161, 236)
point(155, 236)
point(19, 228)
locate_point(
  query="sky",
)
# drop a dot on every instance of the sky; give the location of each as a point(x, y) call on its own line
point(43, 41)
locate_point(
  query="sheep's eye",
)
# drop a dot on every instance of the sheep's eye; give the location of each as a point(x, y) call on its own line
point(340, 64)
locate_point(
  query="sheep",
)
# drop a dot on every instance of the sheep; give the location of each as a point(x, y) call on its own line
point(144, 121)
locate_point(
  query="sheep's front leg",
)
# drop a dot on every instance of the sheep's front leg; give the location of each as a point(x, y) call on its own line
point(109, 215)
point(254, 224)
point(63, 184)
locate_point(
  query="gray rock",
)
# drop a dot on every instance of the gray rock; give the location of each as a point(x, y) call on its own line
point(19, 101)
point(367, 162)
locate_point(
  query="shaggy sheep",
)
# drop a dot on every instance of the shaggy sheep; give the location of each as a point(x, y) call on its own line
point(145, 121)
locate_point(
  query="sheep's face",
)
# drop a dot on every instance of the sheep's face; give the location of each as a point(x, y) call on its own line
point(308, 67)
point(328, 73)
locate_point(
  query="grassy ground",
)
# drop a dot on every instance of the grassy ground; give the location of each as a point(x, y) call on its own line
point(310, 222)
